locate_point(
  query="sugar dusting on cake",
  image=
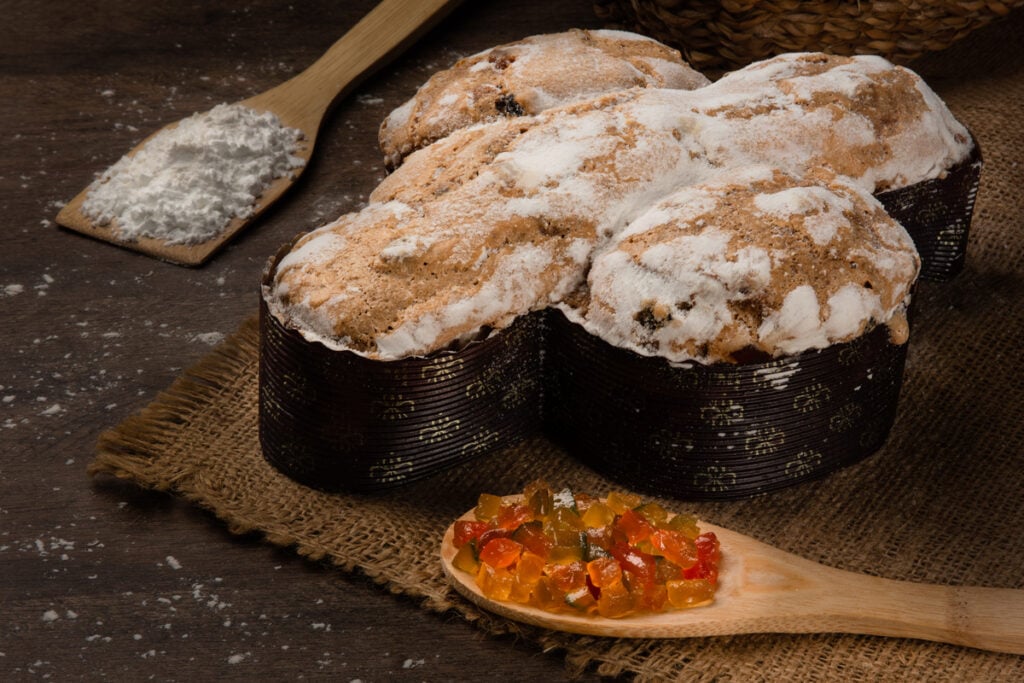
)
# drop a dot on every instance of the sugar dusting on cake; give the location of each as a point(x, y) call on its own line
point(690, 224)
point(722, 275)
point(527, 77)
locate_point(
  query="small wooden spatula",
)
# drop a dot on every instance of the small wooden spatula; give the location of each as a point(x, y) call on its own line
point(300, 103)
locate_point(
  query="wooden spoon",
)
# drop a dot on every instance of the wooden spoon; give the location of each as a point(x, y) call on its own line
point(766, 590)
point(301, 103)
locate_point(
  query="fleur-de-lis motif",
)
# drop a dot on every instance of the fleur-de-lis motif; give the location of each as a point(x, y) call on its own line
point(485, 440)
point(518, 393)
point(721, 413)
point(715, 478)
point(845, 418)
point(393, 407)
point(443, 369)
point(803, 464)
point(726, 379)
point(851, 354)
point(477, 389)
point(950, 236)
point(440, 429)
point(390, 470)
point(762, 442)
point(812, 398)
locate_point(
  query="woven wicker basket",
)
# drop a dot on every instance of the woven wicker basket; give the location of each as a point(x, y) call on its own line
point(727, 34)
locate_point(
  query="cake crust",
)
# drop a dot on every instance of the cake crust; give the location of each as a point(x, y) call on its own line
point(758, 188)
point(528, 76)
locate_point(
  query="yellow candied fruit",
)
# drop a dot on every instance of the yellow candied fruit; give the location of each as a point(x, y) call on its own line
point(565, 554)
point(519, 591)
point(652, 599)
point(615, 601)
point(487, 507)
point(580, 599)
point(684, 593)
point(598, 515)
point(546, 596)
point(572, 552)
point(655, 514)
point(496, 584)
point(620, 501)
point(529, 569)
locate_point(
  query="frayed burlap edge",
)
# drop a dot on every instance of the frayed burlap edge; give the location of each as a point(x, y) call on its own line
point(949, 478)
point(130, 450)
point(176, 445)
point(134, 452)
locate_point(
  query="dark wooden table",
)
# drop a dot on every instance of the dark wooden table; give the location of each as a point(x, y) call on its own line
point(107, 581)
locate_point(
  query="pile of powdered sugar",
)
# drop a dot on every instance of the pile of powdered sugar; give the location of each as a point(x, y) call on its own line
point(186, 183)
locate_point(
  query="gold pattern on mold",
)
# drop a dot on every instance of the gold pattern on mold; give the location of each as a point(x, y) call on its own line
point(393, 407)
point(812, 398)
point(726, 379)
point(715, 478)
point(851, 354)
point(390, 470)
point(518, 393)
point(440, 429)
point(764, 442)
point(721, 413)
point(442, 370)
point(803, 464)
point(485, 440)
point(477, 389)
point(845, 418)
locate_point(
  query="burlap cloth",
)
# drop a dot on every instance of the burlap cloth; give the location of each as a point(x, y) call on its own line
point(941, 502)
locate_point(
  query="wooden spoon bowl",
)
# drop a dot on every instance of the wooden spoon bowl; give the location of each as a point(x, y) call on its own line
point(766, 590)
point(301, 102)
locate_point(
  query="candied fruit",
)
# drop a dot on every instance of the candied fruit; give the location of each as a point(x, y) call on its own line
point(611, 557)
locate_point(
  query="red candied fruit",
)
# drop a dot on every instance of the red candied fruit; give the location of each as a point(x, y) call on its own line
point(563, 551)
point(708, 555)
point(501, 552)
point(467, 530)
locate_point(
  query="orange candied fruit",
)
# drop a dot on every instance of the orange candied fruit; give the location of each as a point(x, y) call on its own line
point(568, 552)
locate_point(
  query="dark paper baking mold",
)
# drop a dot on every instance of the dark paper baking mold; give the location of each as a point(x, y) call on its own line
point(937, 215)
point(336, 421)
point(718, 431)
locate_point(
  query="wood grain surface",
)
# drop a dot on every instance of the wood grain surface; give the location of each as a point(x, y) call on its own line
point(99, 580)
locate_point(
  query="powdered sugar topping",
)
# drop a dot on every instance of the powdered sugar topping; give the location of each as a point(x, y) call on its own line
point(187, 182)
point(702, 222)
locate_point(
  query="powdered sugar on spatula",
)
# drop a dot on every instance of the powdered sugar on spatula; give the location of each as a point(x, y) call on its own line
point(186, 183)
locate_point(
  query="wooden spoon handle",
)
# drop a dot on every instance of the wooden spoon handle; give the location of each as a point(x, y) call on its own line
point(379, 36)
point(785, 593)
point(985, 618)
point(766, 590)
